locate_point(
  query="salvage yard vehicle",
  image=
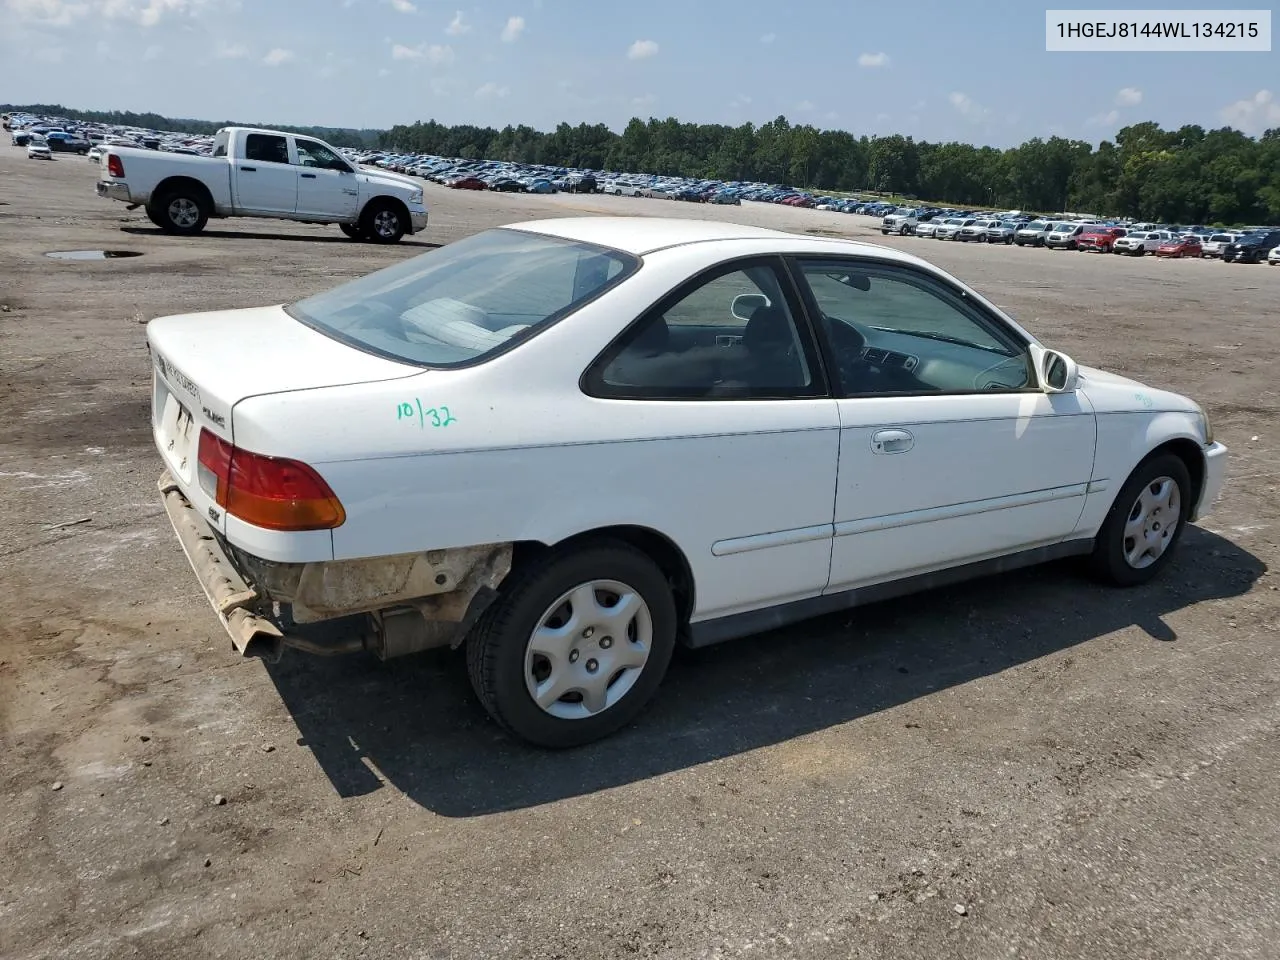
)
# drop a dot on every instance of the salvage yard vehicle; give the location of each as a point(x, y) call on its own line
point(263, 173)
point(1033, 233)
point(1178, 247)
point(568, 445)
point(1138, 243)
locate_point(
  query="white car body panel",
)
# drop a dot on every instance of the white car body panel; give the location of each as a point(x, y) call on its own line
point(770, 501)
point(891, 517)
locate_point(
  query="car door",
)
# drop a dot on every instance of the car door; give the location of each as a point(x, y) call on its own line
point(265, 179)
point(949, 451)
point(729, 366)
point(326, 182)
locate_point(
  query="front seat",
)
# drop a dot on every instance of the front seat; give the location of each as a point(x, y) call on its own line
point(773, 356)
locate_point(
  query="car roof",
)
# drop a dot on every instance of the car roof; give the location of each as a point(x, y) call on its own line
point(641, 235)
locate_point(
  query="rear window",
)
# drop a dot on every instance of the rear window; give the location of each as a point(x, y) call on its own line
point(468, 300)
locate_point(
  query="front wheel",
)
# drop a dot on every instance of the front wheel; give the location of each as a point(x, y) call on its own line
point(351, 230)
point(1144, 525)
point(575, 646)
point(382, 222)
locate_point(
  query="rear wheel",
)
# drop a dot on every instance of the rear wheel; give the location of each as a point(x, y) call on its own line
point(576, 646)
point(383, 222)
point(182, 210)
point(1144, 525)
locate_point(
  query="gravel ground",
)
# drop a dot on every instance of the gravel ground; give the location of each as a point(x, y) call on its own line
point(1029, 766)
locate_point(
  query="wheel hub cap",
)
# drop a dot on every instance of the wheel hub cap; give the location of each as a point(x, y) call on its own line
point(1152, 521)
point(385, 222)
point(588, 650)
point(183, 212)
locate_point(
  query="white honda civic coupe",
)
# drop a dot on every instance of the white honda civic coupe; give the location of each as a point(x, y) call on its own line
point(569, 444)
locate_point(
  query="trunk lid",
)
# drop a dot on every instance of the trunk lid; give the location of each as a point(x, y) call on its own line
point(203, 364)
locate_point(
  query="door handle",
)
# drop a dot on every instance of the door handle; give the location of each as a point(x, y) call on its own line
point(249, 169)
point(892, 441)
point(308, 176)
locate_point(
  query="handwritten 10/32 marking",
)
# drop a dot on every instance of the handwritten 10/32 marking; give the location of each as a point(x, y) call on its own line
point(426, 416)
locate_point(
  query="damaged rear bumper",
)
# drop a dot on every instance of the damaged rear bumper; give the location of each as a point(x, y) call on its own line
point(233, 600)
point(393, 605)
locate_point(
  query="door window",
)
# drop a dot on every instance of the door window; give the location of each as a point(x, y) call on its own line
point(312, 153)
point(732, 333)
point(896, 330)
point(265, 148)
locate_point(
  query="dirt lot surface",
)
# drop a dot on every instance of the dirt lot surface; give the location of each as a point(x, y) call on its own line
point(1086, 772)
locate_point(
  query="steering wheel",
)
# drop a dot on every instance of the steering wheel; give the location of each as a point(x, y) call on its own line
point(847, 343)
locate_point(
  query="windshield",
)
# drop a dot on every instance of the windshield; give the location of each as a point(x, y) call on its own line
point(1064, 228)
point(468, 300)
point(1037, 225)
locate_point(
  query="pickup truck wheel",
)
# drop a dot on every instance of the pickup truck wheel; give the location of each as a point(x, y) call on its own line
point(575, 646)
point(181, 211)
point(383, 223)
point(351, 230)
point(1144, 525)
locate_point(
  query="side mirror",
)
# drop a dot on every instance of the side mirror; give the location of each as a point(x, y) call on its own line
point(745, 304)
point(1058, 373)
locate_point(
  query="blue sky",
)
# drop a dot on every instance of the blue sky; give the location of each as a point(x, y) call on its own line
point(934, 69)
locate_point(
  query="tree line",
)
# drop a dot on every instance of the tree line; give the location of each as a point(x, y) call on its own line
point(1188, 175)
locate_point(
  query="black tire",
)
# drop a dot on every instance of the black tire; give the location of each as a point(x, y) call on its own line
point(1108, 558)
point(174, 209)
point(352, 230)
point(375, 222)
point(497, 644)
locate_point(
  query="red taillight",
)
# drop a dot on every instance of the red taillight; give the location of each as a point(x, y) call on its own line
point(213, 466)
point(269, 492)
point(115, 166)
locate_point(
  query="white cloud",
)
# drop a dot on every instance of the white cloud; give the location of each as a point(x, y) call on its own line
point(511, 32)
point(231, 51)
point(1108, 119)
point(881, 117)
point(642, 50)
point(873, 60)
point(49, 13)
point(805, 106)
point(435, 53)
point(830, 115)
point(647, 100)
point(1254, 115)
point(153, 52)
point(48, 54)
point(61, 13)
point(491, 90)
point(440, 54)
point(966, 106)
point(403, 6)
point(383, 72)
point(1128, 97)
point(769, 38)
point(457, 27)
point(277, 56)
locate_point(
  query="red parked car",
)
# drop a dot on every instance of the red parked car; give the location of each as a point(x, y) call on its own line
point(1101, 239)
point(469, 183)
point(1181, 247)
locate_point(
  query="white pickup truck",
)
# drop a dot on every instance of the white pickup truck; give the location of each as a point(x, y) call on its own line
point(263, 173)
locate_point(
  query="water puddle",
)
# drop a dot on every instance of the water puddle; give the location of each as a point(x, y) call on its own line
point(92, 254)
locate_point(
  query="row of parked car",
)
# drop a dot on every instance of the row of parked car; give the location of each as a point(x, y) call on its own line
point(47, 135)
point(1250, 245)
